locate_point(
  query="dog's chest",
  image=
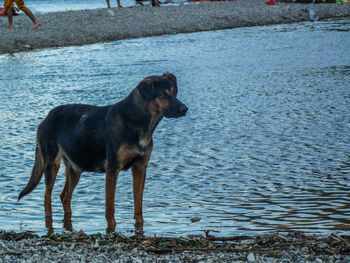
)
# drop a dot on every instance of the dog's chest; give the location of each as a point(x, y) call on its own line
point(128, 154)
point(142, 147)
point(144, 143)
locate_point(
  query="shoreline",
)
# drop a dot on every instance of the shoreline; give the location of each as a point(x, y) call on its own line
point(75, 28)
point(116, 247)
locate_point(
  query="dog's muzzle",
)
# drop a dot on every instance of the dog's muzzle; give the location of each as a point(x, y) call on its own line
point(183, 109)
point(177, 109)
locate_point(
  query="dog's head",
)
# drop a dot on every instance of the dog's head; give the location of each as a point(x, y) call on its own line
point(160, 93)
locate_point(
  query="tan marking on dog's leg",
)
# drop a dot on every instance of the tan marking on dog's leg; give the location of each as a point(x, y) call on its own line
point(139, 177)
point(50, 177)
point(72, 179)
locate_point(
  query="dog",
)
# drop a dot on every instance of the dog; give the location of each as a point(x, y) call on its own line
point(103, 139)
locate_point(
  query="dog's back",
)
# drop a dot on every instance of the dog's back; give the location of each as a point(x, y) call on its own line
point(75, 132)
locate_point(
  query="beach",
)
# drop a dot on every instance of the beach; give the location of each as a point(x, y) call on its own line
point(69, 28)
point(116, 247)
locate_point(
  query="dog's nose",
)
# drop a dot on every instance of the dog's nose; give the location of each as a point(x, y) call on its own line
point(183, 109)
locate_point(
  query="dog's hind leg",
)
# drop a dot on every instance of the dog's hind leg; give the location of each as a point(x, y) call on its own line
point(50, 171)
point(72, 179)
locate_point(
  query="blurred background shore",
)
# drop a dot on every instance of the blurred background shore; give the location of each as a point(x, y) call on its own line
point(63, 25)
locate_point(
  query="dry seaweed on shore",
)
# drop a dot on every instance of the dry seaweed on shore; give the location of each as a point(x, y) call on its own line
point(266, 244)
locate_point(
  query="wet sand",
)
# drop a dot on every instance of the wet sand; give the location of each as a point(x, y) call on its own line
point(101, 25)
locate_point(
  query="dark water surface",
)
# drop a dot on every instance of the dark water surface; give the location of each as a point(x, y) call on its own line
point(265, 145)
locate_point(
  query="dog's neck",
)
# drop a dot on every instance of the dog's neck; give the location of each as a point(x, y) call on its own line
point(138, 111)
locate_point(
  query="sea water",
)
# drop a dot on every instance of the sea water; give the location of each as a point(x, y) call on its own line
point(265, 145)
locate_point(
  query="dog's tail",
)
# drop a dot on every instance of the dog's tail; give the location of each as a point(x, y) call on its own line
point(37, 173)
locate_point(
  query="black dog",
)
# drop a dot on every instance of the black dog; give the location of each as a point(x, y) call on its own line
point(103, 139)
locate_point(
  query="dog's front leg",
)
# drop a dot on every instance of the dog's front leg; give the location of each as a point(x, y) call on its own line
point(111, 182)
point(139, 178)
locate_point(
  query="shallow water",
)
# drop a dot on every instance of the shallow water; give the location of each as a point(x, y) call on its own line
point(265, 145)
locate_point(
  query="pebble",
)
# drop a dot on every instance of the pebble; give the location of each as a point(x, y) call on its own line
point(195, 219)
point(251, 257)
point(110, 12)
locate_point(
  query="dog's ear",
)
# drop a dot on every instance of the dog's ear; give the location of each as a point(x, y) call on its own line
point(170, 76)
point(152, 86)
point(146, 89)
point(171, 80)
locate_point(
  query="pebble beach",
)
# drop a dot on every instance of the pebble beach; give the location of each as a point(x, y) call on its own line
point(60, 29)
point(116, 247)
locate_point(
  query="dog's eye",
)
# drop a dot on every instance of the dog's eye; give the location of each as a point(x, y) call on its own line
point(162, 94)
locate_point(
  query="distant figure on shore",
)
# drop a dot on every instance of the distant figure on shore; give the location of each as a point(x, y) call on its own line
point(8, 4)
point(3, 13)
point(153, 2)
point(109, 6)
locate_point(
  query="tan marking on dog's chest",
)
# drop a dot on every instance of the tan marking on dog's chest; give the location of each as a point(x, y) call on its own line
point(128, 153)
